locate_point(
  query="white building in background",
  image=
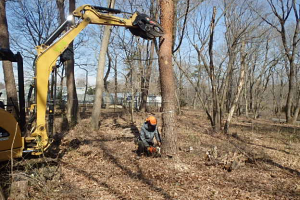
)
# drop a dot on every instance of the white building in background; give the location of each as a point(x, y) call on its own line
point(152, 101)
point(123, 99)
point(3, 97)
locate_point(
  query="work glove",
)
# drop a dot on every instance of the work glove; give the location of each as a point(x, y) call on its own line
point(151, 149)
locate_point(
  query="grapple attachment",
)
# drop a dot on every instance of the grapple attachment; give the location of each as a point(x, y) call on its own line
point(146, 27)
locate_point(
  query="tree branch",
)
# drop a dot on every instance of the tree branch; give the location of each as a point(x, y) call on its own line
point(184, 26)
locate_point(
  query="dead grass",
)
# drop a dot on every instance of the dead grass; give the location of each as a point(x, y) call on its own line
point(102, 164)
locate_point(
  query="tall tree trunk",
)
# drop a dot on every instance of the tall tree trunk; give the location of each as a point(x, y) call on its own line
point(175, 3)
point(194, 101)
point(100, 75)
point(239, 90)
point(275, 105)
point(107, 73)
point(132, 104)
point(72, 103)
point(292, 83)
point(290, 97)
point(216, 122)
point(169, 135)
point(116, 84)
point(106, 99)
point(145, 81)
point(9, 79)
point(61, 9)
point(229, 92)
point(245, 94)
point(296, 113)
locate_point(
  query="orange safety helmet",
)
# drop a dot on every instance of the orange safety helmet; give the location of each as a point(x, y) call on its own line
point(152, 120)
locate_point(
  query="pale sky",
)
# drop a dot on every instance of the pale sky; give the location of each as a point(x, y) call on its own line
point(78, 72)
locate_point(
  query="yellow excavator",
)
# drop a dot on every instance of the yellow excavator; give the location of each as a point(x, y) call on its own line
point(15, 138)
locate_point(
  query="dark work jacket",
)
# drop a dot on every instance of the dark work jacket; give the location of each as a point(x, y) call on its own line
point(147, 135)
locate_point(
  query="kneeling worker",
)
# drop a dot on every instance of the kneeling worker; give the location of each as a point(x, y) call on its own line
point(148, 132)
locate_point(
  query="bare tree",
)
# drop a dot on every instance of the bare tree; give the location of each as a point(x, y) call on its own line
point(72, 100)
point(100, 75)
point(220, 65)
point(282, 10)
point(216, 117)
point(145, 77)
point(72, 109)
point(147, 69)
point(205, 36)
point(33, 23)
point(9, 79)
point(239, 89)
point(116, 82)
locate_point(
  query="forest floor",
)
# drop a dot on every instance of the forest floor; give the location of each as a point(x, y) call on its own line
point(258, 160)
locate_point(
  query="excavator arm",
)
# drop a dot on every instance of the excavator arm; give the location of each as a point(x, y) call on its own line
point(48, 53)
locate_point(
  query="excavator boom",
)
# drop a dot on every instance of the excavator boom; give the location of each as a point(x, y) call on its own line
point(47, 54)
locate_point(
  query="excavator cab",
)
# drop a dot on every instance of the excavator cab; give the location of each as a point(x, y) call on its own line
point(12, 129)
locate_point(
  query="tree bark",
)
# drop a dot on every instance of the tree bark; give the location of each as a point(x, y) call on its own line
point(290, 97)
point(239, 90)
point(216, 123)
point(9, 79)
point(100, 75)
point(72, 103)
point(169, 135)
point(116, 84)
point(296, 113)
point(107, 72)
point(145, 81)
point(132, 95)
point(61, 9)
